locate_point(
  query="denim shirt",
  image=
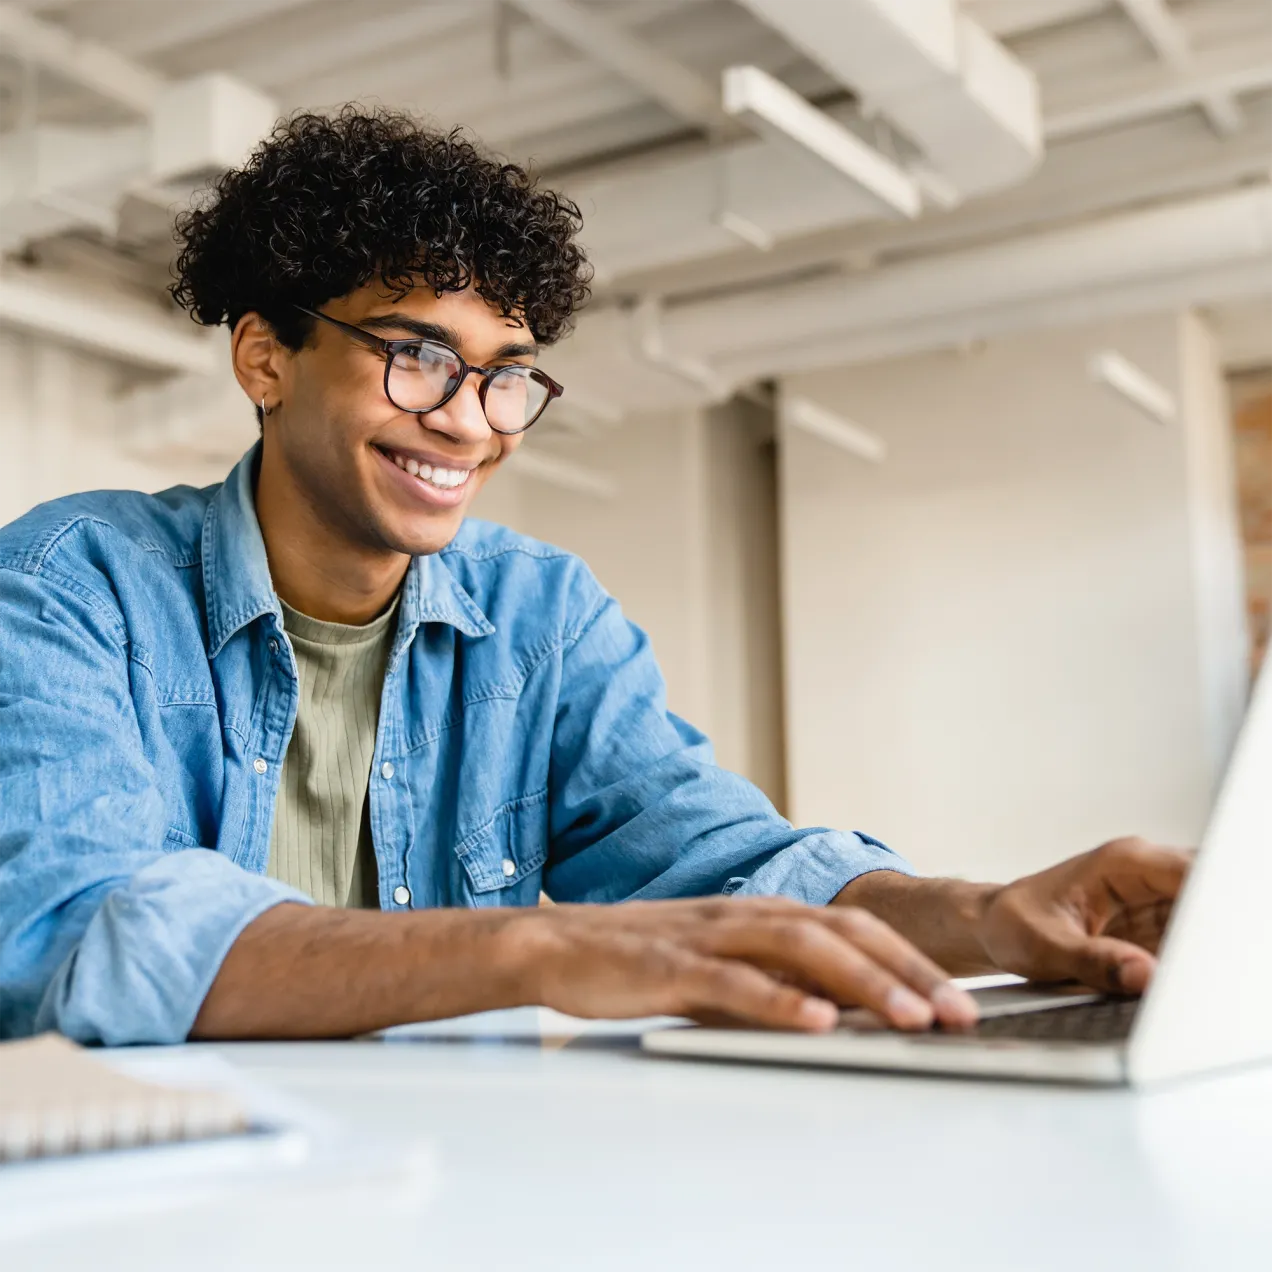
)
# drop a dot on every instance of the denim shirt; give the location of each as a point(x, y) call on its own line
point(147, 696)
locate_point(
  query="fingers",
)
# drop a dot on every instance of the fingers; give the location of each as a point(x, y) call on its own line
point(951, 1005)
point(852, 958)
point(1139, 872)
point(1118, 967)
point(708, 988)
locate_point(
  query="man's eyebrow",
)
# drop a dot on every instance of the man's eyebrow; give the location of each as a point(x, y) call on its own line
point(414, 327)
point(523, 350)
point(446, 335)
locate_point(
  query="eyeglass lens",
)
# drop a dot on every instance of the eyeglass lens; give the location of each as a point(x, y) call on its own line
point(424, 375)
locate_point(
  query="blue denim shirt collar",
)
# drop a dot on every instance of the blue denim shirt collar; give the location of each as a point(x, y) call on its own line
point(238, 587)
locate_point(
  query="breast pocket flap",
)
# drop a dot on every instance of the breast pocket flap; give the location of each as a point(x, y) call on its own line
point(512, 845)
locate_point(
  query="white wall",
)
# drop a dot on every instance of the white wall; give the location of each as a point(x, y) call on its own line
point(58, 429)
point(688, 547)
point(993, 641)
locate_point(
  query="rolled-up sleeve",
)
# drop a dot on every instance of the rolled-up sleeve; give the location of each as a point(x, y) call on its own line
point(639, 809)
point(109, 932)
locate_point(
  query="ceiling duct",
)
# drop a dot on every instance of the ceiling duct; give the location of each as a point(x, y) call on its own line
point(967, 103)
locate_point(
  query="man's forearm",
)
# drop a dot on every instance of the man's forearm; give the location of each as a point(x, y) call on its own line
point(943, 917)
point(312, 972)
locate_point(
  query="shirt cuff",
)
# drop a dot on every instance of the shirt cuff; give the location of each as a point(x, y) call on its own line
point(817, 868)
point(149, 955)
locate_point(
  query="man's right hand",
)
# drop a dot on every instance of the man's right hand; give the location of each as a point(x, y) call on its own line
point(761, 961)
point(310, 972)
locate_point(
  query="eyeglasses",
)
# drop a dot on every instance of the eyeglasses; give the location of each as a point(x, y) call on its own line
point(422, 375)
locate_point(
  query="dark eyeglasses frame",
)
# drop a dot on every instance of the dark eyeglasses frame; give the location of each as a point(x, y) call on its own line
point(391, 348)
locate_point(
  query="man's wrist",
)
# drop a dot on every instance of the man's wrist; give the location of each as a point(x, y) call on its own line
point(945, 918)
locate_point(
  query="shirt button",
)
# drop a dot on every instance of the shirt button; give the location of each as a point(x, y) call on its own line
point(273, 645)
point(387, 770)
point(509, 868)
point(402, 895)
point(259, 765)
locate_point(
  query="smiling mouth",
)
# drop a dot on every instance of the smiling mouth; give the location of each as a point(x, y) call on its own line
point(434, 476)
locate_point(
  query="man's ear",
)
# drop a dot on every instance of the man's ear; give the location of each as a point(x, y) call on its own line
point(257, 357)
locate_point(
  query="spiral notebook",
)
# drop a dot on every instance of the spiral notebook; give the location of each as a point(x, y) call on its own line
point(55, 1099)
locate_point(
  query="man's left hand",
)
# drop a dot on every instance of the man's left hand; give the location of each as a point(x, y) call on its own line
point(1097, 918)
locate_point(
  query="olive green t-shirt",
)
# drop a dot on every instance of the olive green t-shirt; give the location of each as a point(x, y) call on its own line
point(321, 842)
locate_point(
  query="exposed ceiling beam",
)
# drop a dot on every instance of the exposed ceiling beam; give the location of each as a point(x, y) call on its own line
point(92, 66)
point(110, 324)
point(684, 92)
point(770, 108)
point(1213, 237)
point(966, 102)
point(1169, 41)
point(173, 25)
point(1246, 68)
point(1008, 18)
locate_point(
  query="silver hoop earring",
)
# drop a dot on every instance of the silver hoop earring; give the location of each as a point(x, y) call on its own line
point(264, 409)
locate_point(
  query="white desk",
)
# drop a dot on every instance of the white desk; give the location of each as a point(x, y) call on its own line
point(592, 1156)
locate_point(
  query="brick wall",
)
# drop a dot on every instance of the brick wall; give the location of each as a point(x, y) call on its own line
point(1252, 414)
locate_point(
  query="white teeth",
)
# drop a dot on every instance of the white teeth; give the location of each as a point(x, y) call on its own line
point(442, 478)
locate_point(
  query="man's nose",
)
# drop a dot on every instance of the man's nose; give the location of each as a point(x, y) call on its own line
point(463, 418)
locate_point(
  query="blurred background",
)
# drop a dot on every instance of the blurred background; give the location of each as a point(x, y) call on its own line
point(923, 413)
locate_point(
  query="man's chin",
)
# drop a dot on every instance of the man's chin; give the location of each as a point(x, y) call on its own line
point(423, 540)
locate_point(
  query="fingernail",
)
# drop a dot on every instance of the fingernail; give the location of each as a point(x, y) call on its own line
point(818, 1014)
point(906, 1008)
point(955, 1005)
point(1132, 978)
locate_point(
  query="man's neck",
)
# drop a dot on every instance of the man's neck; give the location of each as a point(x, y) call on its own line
point(315, 568)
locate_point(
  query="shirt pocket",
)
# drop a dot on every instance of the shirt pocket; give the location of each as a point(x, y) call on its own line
point(503, 860)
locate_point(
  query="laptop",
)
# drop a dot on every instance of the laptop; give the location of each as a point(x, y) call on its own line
point(1205, 1010)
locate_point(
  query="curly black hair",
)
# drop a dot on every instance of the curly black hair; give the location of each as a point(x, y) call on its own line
point(326, 204)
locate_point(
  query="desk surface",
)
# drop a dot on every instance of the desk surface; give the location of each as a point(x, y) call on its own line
point(560, 1150)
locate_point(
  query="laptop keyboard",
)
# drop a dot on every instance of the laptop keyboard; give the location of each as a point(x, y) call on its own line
point(1106, 1021)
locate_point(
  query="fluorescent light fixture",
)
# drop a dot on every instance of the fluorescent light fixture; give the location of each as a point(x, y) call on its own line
point(1116, 372)
point(564, 473)
point(768, 106)
point(832, 428)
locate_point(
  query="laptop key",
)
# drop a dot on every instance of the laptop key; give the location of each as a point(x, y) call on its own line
point(1108, 1020)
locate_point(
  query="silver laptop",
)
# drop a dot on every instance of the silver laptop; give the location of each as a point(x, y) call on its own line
point(1206, 1009)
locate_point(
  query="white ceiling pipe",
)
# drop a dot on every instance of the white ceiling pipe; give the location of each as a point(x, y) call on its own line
point(969, 105)
point(1223, 230)
point(958, 331)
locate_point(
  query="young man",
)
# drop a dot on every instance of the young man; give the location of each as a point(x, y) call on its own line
point(294, 756)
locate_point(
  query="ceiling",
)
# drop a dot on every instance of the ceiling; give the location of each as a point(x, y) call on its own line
point(1144, 181)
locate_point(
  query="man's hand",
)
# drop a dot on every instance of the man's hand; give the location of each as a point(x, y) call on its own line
point(309, 972)
point(1098, 918)
point(764, 961)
